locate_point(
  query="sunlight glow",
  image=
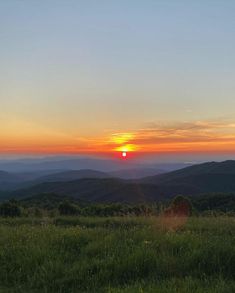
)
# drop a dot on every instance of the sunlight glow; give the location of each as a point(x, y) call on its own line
point(126, 148)
point(121, 138)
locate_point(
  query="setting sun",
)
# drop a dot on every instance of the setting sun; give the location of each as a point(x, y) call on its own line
point(125, 149)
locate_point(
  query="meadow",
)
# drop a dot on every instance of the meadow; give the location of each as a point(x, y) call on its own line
point(117, 254)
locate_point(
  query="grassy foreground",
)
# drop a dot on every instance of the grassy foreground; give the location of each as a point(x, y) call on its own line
point(117, 255)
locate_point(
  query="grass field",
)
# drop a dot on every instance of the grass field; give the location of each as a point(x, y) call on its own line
point(117, 255)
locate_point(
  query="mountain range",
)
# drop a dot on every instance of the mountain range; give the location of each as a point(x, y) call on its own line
point(53, 164)
point(97, 186)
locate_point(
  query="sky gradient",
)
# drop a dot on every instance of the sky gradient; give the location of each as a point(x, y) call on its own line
point(152, 77)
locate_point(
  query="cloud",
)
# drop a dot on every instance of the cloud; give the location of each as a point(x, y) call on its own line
point(190, 136)
point(197, 136)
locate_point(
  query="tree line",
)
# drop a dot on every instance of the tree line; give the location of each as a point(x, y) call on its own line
point(214, 204)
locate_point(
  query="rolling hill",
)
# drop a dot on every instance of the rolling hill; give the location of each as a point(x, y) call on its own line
point(12, 181)
point(201, 178)
point(96, 190)
point(187, 174)
point(8, 180)
point(136, 173)
point(209, 177)
point(72, 175)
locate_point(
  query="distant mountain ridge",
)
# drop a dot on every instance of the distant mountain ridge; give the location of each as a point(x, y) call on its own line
point(10, 181)
point(78, 163)
point(94, 189)
point(101, 164)
point(225, 167)
point(191, 181)
point(73, 175)
point(136, 173)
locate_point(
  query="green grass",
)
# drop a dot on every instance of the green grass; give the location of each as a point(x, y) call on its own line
point(117, 255)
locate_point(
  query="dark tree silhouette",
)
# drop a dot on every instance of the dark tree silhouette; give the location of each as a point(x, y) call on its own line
point(180, 206)
point(10, 209)
point(68, 209)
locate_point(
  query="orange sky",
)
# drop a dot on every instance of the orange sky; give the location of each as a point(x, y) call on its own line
point(189, 137)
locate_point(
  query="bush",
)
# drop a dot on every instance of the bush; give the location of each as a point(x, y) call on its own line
point(68, 209)
point(10, 209)
point(180, 206)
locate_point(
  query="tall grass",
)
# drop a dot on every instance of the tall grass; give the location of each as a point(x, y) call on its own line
point(117, 255)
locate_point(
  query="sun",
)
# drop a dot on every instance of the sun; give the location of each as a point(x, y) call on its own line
point(125, 150)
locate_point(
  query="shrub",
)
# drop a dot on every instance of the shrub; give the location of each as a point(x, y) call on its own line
point(68, 209)
point(10, 209)
point(180, 206)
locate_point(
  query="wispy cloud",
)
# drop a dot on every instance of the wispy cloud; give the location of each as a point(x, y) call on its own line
point(190, 136)
point(197, 136)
